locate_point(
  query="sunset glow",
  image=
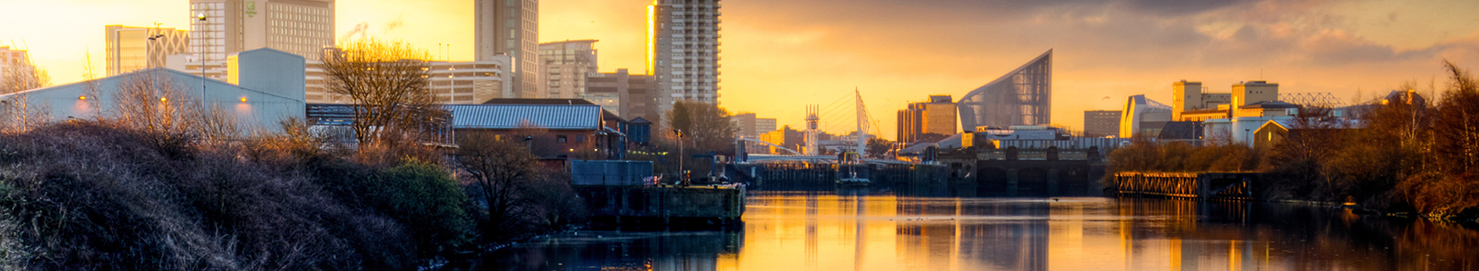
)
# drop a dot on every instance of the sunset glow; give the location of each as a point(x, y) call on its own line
point(779, 56)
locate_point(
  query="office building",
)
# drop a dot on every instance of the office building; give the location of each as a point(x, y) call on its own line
point(449, 82)
point(469, 82)
point(936, 116)
point(566, 65)
point(131, 48)
point(1021, 97)
point(1143, 117)
point(751, 126)
point(1098, 123)
point(510, 27)
point(790, 139)
point(1190, 101)
point(627, 95)
point(764, 125)
point(300, 27)
point(683, 50)
point(1252, 92)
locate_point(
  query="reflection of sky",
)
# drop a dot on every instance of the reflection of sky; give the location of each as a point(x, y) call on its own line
point(828, 232)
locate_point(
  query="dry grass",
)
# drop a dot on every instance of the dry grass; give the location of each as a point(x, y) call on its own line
point(93, 197)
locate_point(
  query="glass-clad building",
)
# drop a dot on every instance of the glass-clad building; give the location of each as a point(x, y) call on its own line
point(1021, 97)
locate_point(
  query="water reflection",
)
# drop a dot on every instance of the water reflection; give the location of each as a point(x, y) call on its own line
point(822, 231)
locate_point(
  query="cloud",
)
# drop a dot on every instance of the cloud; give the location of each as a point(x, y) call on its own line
point(903, 50)
point(393, 24)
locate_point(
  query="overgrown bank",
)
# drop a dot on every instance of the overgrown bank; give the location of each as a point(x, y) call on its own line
point(94, 196)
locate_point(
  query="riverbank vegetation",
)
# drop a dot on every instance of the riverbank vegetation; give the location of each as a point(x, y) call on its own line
point(166, 184)
point(1403, 153)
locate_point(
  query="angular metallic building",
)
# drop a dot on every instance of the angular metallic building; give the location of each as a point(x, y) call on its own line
point(1021, 97)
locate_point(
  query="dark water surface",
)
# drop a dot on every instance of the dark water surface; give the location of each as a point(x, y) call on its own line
point(824, 231)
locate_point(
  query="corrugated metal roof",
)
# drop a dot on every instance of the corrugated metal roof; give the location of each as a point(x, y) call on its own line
point(509, 116)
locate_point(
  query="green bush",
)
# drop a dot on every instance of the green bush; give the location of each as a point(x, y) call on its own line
point(426, 198)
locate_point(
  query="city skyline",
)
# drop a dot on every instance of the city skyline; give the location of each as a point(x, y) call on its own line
point(781, 55)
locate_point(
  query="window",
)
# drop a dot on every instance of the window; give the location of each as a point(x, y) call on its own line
point(560, 138)
point(579, 138)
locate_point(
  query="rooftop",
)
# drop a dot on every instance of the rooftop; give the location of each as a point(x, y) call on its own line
point(514, 116)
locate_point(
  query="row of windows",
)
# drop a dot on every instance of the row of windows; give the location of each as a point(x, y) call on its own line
point(300, 9)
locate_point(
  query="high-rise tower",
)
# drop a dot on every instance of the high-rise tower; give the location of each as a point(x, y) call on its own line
point(510, 27)
point(566, 65)
point(300, 27)
point(683, 50)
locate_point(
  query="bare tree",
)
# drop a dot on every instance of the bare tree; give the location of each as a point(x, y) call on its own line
point(496, 170)
point(17, 112)
point(388, 83)
point(1456, 126)
point(21, 75)
point(705, 126)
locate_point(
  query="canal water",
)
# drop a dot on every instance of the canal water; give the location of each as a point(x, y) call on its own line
point(881, 231)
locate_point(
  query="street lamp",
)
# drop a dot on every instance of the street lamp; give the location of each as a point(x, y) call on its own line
point(201, 18)
point(682, 176)
point(1247, 137)
point(154, 80)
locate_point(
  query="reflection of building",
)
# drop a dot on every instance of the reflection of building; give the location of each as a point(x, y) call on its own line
point(132, 48)
point(937, 116)
point(1101, 123)
point(1021, 97)
point(510, 27)
point(683, 50)
point(630, 96)
point(1142, 116)
point(566, 65)
point(267, 89)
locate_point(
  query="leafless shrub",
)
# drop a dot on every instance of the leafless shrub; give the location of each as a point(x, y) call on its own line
point(156, 105)
point(104, 198)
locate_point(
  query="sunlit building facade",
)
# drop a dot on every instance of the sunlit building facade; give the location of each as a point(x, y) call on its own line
point(683, 50)
point(1143, 117)
point(511, 28)
point(132, 48)
point(300, 27)
point(566, 65)
point(1021, 97)
point(937, 116)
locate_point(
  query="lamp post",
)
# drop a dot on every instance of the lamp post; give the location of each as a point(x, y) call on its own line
point(682, 177)
point(201, 18)
point(154, 77)
point(1247, 137)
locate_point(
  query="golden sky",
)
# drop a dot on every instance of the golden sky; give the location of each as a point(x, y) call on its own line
point(780, 55)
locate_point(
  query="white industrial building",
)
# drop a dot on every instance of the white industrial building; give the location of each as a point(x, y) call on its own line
point(265, 88)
